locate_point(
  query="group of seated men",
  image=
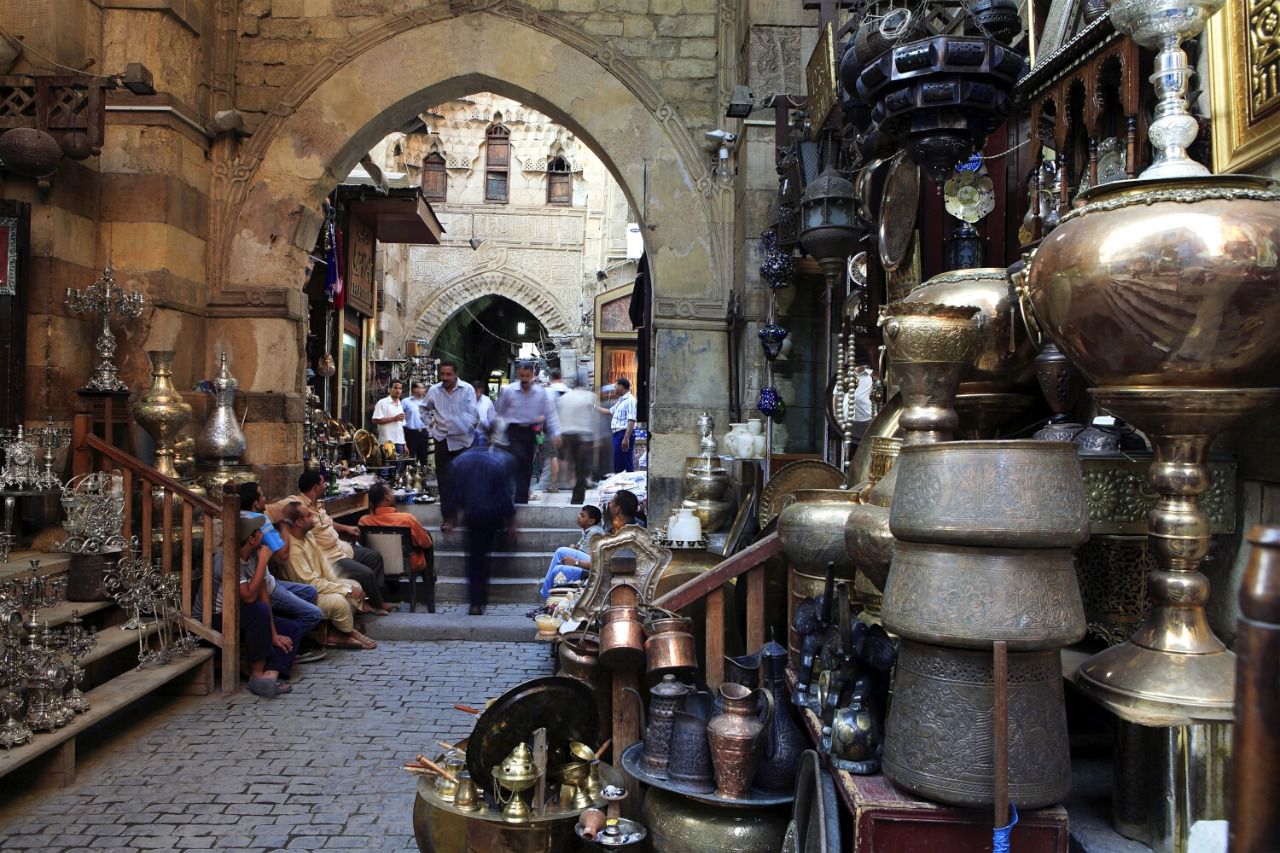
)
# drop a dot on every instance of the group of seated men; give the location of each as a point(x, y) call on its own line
point(325, 580)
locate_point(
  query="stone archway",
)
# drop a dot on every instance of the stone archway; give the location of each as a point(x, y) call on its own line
point(437, 310)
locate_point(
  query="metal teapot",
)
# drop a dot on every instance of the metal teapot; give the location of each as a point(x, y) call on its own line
point(222, 440)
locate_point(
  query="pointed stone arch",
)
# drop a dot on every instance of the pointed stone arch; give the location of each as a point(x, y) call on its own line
point(437, 310)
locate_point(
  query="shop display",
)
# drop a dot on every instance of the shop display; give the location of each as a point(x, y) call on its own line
point(94, 509)
point(161, 411)
point(104, 297)
point(792, 477)
point(222, 442)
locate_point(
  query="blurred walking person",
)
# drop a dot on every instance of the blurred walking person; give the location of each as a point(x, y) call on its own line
point(577, 411)
point(522, 406)
point(451, 403)
point(483, 477)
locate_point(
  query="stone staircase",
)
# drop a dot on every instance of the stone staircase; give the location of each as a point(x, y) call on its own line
point(518, 567)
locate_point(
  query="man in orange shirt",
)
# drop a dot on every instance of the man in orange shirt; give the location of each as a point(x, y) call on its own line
point(382, 513)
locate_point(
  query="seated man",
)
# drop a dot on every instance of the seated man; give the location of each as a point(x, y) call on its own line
point(270, 641)
point(350, 560)
point(296, 601)
point(568, 565)
point(337, 598)
point(382, 513)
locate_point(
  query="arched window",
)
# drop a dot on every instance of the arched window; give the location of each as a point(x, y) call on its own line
point(497, 162)
point(435, 181)
point(559, 182)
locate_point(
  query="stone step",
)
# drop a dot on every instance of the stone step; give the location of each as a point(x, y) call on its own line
point(532, 515)
point(531, 539)
point(456, 625)
point(506, 564)
point(501, 590)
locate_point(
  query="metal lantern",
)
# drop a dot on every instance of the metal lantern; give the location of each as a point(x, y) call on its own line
point(828, 227)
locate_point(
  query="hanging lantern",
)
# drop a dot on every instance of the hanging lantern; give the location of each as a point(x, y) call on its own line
point(770, 403)
point(828, 228)
point(776, 266)
point(771, 338)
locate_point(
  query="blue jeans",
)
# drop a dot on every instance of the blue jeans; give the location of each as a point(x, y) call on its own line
point(571, 573)
point(296, 601)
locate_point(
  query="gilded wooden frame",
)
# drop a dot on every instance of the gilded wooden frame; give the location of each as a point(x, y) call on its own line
point(651, 561)
point(1244, 87)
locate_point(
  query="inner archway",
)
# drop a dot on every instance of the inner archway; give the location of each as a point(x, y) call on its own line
point(486, 335)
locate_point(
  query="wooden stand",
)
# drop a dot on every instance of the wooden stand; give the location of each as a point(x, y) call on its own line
point(889, 820)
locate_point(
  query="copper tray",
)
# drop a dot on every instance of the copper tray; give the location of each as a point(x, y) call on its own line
point(755, 798)
point(563, 706)
point(898, 208)
point(790, 478)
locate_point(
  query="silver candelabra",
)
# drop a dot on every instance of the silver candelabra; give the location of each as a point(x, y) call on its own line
point(49, 438)
point(104, 297)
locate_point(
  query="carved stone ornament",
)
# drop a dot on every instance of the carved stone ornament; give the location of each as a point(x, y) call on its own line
point(651, 560)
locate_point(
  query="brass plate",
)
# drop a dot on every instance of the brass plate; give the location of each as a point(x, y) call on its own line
point(367, 447)
point(898, 208)
point(755, 797)
point(791, 478)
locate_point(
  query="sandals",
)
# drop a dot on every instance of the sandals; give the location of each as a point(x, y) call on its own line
point(354, 640)
point(267, 688)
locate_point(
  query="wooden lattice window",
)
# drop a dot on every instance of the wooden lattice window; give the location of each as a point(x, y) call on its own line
point(497, 163)
point(435, 181)
point(559, 182)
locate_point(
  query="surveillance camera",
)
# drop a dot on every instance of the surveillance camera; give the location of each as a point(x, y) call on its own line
point(721, 135)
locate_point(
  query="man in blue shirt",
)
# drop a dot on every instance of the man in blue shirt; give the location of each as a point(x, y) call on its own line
point(415, 428)
point(484, 483)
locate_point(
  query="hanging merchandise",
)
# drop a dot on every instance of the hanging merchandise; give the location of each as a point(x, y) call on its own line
point(777, 267)
point(772, 337)
point(770, 403)
point(333, 288)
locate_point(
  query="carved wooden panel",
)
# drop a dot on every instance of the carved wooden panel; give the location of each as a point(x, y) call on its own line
point(360, 252)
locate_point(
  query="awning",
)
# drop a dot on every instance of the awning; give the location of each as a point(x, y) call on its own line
point(400, 219)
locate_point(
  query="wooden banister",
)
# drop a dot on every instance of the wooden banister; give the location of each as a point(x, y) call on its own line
point(740, 563)
point(146, 472)
point(230, 590)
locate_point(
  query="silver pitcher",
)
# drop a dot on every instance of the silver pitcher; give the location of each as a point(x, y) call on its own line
point(222, 439)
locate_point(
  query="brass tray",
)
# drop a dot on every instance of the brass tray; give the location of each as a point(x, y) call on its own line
point(790, 478)
point(898, 208)
point(564, 706)
point(755, 798)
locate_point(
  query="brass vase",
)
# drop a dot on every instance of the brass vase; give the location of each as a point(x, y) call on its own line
point(161, 411)
point(1163, 293)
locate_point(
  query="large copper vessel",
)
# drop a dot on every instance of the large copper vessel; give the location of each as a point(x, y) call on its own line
point(1005, 356)
point(939, 732)
point(969, 597)
point(1010, 494)
point(1163, 292)
point(811, 528)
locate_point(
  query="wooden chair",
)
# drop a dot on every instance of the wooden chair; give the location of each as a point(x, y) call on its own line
point(395, 544)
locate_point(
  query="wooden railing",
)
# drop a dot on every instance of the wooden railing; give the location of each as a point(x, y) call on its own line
point(91, 453)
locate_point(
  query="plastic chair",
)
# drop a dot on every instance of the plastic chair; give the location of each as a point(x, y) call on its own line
point(395, 544)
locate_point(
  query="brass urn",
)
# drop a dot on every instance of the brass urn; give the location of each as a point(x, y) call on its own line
point(161, 411)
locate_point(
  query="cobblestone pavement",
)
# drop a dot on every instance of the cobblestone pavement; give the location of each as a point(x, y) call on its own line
point(318, 769)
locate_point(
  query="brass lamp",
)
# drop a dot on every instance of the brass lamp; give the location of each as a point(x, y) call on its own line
point(829, 229)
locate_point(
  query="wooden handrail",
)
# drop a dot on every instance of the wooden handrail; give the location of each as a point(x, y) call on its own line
point(170, 485)
point(740, 563)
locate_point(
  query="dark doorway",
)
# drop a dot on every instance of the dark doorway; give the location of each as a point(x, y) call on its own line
point(486, 335)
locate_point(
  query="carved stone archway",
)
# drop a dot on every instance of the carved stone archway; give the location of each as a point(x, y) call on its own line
point(434, 312)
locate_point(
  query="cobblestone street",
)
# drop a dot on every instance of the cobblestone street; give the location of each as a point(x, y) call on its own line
point(318, 769)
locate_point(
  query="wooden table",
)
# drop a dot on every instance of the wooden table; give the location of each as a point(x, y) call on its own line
point(342, 505)
point(887, 819)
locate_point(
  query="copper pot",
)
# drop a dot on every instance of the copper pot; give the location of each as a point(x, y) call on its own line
point(622, 638)
point(579, 655)
point(669, 645)
point(733, 735)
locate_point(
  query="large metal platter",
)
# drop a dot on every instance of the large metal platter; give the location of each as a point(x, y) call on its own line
point(563, 706)
point(755, 798)
point(898, 208)
point(804, 474)
point(815, 816)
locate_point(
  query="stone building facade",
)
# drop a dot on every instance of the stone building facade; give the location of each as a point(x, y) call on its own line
point(563, 220)
point(207, 195)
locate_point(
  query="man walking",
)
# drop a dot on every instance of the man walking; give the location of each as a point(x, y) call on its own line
point(557, 389)
point(388, 414)
point(577, 411)
point(451, 407)
point(415, 429)
point(622, 421)
point(523, 405)
point(484, 489)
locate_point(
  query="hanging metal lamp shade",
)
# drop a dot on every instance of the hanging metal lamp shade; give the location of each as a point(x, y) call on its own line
point(829, 229)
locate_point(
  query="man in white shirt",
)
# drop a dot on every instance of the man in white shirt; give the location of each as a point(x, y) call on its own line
point(523, 405)
point(451, 406)
point(388, 414)
point(577, 410)
point(484, 407)
point(415, 425)
point(622, 421)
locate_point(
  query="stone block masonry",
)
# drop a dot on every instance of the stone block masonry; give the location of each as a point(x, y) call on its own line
point(318, 769)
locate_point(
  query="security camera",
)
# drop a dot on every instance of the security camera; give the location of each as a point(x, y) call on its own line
point(721, 135)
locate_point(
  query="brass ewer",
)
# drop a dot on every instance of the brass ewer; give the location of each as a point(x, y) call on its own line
point(161, 411)
point(517, 774)
point(1163, 293)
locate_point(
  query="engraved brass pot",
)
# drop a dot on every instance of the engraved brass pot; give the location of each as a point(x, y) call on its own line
point(1010, 494)
point(930, 347)
point(678, 824)
point(705, 478)
point(938, 733)
point(1005, 355)
point(1155, 282)
point(811, 528)
point(970, 597)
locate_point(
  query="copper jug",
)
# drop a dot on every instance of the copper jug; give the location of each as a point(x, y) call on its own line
point(665, 698)
point(579, 654)
point(622, 638)
point(669, 645)
point(732, 736)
